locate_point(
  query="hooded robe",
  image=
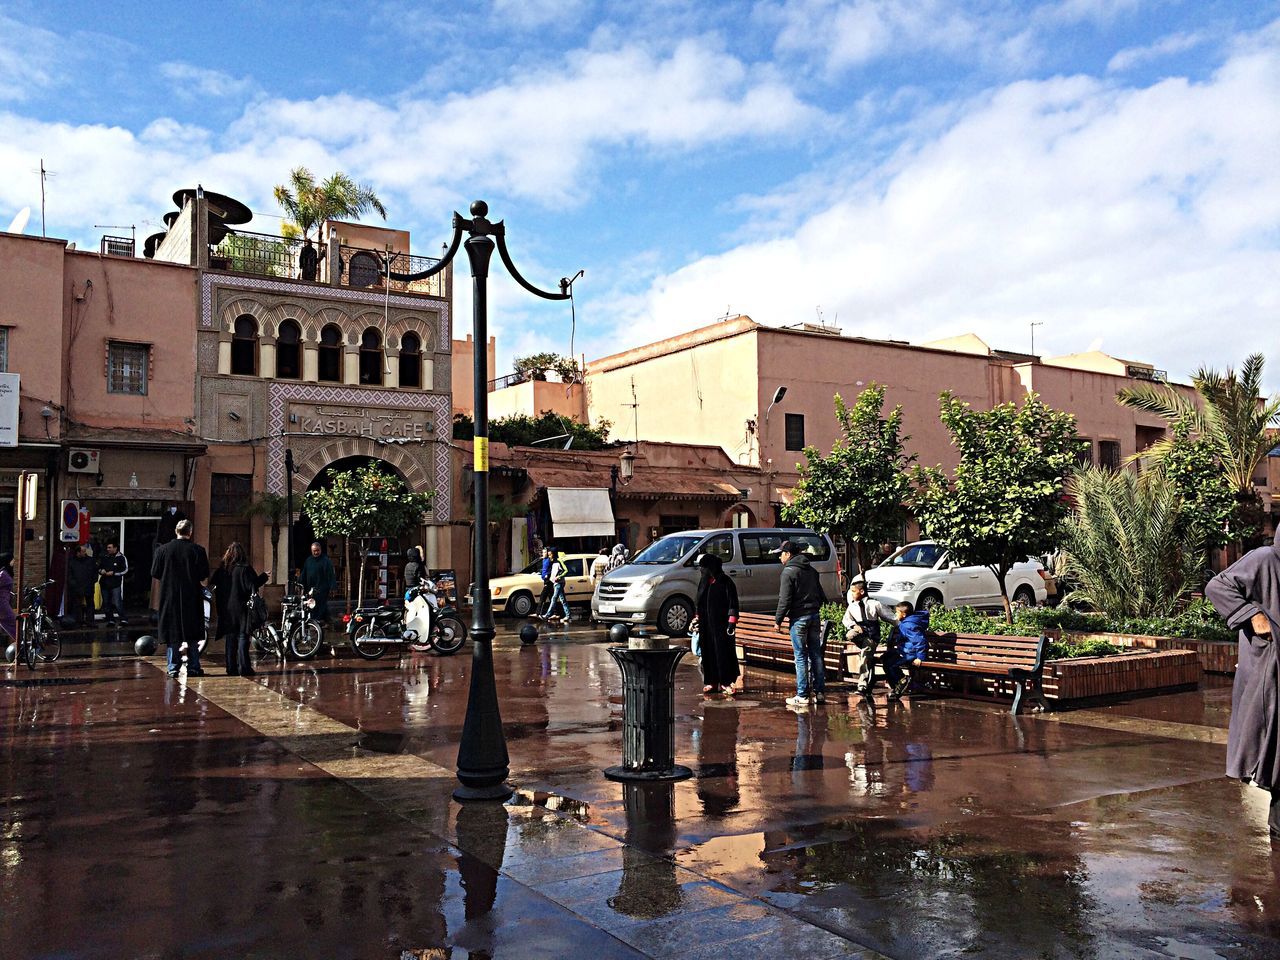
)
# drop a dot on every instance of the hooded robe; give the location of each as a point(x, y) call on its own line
point(1250, 586)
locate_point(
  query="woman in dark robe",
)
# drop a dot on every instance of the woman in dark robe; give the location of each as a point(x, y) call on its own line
point(220, 584)
point(1247, 596)
point(717, 612)
point(245, 582)
point(8, 619)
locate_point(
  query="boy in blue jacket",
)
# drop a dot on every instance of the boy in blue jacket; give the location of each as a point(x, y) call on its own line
point(910, 645)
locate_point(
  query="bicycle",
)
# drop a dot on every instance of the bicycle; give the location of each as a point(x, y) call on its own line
point(37, 636)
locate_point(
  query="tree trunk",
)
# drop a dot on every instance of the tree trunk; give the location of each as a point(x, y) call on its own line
point(275, 549)
point(1000, 573)
point(346, 568)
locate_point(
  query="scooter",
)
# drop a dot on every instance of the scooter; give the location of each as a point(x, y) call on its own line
point(424, 624)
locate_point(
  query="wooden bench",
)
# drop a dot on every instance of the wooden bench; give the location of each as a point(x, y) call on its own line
point(988, 667)
point(758, 642)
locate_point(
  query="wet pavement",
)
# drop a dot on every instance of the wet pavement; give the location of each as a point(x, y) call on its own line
point(307, 812)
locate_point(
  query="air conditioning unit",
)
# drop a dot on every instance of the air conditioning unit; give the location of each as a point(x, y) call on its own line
point(82, 461)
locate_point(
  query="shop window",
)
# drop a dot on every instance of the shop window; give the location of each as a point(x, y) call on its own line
point(330, 355)
point(244, 347)
point(371, 362)
point(795, 431)
point(127, 367)
point(410, 361)
point(1109, 454)
point(289, 351)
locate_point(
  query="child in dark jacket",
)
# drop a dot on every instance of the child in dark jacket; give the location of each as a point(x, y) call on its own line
point(909, 645)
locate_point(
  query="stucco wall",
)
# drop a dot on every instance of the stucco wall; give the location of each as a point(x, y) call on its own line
point(535, 396)
point(31, 293)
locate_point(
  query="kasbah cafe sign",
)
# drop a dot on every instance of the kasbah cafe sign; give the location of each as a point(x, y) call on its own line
point(372, 422)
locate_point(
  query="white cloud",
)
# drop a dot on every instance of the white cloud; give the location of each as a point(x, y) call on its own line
point(1145, 216)
point(529, 14)
point(1098, 11)
point(191, 81)
point(1131, 57)
point(28, 59)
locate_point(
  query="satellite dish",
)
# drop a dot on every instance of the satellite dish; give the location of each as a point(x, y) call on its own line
point(19, 223)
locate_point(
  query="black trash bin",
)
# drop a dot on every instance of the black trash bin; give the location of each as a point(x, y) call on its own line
point(648, 715)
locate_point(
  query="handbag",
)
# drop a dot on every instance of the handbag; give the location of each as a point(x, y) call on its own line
point(255, 612)
point(695, 643)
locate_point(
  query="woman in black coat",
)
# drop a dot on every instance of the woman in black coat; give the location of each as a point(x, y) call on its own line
point(243, 583)
point(717, 611)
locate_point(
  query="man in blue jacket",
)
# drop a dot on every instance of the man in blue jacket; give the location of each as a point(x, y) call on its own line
point(910, 645)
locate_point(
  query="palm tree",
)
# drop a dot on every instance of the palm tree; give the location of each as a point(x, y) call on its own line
point(1231, 415)
point(309, 204)
point(271, 507)
point(1125, 546)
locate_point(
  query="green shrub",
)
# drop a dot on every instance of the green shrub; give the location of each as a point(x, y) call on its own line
point(1086, 647)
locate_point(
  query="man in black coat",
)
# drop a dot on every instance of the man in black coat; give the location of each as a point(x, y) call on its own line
point(800, 598)
point(82, 574)
point(182, 568)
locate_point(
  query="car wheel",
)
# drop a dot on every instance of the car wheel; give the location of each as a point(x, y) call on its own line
point(520, 605)
point(930, 600)
point(675, 616)
point(1024, 597)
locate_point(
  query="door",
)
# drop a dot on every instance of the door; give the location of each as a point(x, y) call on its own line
point(965, 586)
point(139, 548)
point(764, 571)
point(577, 584)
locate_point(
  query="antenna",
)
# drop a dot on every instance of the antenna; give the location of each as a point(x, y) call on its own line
point(133, 236)
point(44, 176)
point(573, 315)
point(635, 408)
point(1034, 324)
point(728, 312)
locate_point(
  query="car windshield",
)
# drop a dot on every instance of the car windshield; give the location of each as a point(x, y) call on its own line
point(667, 550)
point(535, 567)
point(916, 555)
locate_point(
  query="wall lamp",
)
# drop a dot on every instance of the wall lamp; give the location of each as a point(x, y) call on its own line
point(777, 399)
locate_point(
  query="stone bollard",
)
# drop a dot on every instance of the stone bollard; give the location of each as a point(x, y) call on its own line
point(648, 666)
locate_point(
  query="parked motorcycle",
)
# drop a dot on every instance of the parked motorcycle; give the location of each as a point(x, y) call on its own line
point(425, 623)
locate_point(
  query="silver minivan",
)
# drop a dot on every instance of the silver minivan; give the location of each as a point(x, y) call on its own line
point(658, 586)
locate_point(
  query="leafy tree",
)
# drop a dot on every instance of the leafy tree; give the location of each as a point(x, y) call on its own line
point(362, 503)
point(1208, 501)
point(1128, 546)
point(271, 507)
point(309, 204)
point(1005, 499)
point(520, 430)
point(1230, 415)
point(859, 490)
point(536, 366)
point(254, 255)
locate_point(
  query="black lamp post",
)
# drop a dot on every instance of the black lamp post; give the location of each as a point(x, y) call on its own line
point(288, 509)
point(482, 752)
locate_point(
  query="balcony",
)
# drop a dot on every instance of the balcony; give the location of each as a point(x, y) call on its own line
point(265, 255)
point(1146, 373)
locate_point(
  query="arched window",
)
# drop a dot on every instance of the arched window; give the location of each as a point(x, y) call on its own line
point(244, 347)
point(410, 361)
point(371, 357)
point(330, 359)
point(289, 351)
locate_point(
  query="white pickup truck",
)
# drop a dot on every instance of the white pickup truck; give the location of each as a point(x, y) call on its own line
point(921, 574)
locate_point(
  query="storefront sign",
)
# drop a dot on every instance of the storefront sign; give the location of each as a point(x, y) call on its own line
point(9, 392)
point(325, 420)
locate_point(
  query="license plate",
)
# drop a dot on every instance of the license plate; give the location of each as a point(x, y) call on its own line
point(608, 608)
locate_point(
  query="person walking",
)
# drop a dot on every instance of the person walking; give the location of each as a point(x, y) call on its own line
point(82, 574)
point(544, 599)
point(909, 645)
point(244, 582)
point(220, 585)
point(181, 568)
point(319, 579)
point(8, 619)
point(112, 567)
point(800, 599)
point(617, 557)
point(558, 574)
point(861, 622)
point(716, 620)
point(1247, 596)
point(600, 566)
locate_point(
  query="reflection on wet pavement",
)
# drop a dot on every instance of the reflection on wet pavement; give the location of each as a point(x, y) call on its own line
point(309, 814)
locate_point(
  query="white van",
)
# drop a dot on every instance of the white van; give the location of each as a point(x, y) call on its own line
point(659, 585)
point(922, 574)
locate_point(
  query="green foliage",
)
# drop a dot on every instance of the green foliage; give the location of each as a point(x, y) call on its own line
point(1198, 621)
point(309, 204)
point(1084, 647)
point(1127, 547)
point(536, 366)
point(1004, 501)
point(254, 255)
point(365, 502)
point(1209, 501)
point(858, 491)
point(519, 430)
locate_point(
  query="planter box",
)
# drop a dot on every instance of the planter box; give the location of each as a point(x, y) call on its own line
point(1085, 678)
point(1215, 656)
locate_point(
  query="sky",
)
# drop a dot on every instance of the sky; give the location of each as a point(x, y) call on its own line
point(1107, 170)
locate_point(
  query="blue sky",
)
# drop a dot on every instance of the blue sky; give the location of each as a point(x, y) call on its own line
point(903, 168)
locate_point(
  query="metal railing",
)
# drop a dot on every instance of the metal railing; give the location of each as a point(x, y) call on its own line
point(116, 246)
point(363, 268)
point(510, 380)
point(261, 254)
point(1147, 373)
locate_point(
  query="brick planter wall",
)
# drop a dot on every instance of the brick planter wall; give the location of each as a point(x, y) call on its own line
point(1216, 656)
point(1088, 677)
